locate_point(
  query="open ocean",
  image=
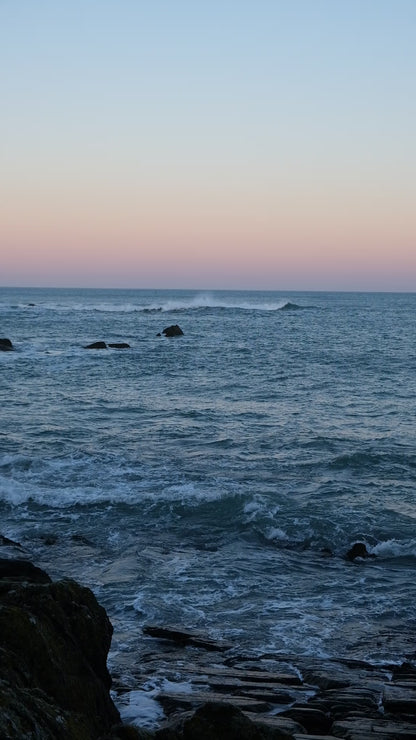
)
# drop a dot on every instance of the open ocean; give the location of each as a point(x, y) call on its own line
point(217, 480)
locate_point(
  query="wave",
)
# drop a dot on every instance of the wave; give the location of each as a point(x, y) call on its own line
point(394, 549)
point(205, 301)
point(199, 302)
point(78, 480)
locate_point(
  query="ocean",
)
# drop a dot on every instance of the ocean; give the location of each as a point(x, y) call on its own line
point(217, 480)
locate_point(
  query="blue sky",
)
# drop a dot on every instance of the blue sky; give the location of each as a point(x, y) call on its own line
point(276, 134)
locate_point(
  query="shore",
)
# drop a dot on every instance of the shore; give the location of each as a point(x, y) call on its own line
point(55, 639)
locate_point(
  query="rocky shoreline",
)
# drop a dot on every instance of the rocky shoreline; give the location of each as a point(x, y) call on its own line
point(54, 681)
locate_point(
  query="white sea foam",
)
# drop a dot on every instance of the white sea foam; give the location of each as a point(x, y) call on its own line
point(275, 533)
point(140, 708)
point(394, 549)
point(183, 687)
point(209, 300)
point(196, 302)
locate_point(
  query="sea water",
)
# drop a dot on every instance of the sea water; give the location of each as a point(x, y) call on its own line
point(216, 480)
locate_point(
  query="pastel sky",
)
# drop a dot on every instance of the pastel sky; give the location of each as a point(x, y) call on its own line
point(265, 144)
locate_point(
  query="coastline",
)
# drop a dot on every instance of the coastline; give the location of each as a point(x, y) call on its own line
point(58, 629)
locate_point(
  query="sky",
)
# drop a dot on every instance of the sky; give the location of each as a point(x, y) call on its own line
point(229, 144)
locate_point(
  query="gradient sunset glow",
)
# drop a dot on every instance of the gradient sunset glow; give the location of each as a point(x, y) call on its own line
point(221, 144)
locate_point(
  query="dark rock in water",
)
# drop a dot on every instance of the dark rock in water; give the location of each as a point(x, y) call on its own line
point(81, 540)
point(96, 345)
point(22, 570)
point(358, 550)
point(173, 331)
point(119, 345)
point(6, 345)
point(49, 539)
point(6, 542)
point(158, 334)
point(185, 637)
point(54, 640)
point(290, 307)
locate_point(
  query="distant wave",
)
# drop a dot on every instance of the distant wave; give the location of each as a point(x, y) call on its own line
point(205, 301)
point(199, 302)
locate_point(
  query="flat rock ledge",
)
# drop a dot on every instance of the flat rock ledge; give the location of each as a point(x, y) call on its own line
point(54, 682)
point(215, 693)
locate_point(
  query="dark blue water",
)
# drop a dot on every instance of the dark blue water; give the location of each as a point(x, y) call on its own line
point(218, 479)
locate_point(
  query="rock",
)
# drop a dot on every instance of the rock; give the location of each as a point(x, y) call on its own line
point(96, 345)
point(314, 721)
point(22, 570)
point(400, 699)
point(363, 728)
point(358, 550)
point(173, 331)
point(119, 345)
point(54, 640)
point(128, 732)
point(187, 637)
point(219, 721)
point(6, 542)
point(6, 345)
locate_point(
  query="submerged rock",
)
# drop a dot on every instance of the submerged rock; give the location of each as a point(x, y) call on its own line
point(173, 331)
point(6, 345)
point(54, 640)
point(119, 345)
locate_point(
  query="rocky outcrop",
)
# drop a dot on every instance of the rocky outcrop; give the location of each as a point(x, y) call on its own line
point(220, 692)
point(173, 331)
point(6, 345)
point(54, 683)
point(96, 345)
point(54, 640)
point(358, 550)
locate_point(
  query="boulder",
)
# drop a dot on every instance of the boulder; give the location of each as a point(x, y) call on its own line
point(6, 345)
point(220, 721)
point(173, 331)
point(358, 550)
point(96, 345)
point(54, 640)
point(119, 345)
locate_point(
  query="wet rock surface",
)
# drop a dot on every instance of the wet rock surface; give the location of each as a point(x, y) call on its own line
point(173, 331)
point(54, 640)
point(54, 682)
point(278, 695)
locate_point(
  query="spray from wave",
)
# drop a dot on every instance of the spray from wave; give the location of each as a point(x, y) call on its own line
point(209, 301)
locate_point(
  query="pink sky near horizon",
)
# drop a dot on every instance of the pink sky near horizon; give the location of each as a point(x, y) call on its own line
point(266, 147)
